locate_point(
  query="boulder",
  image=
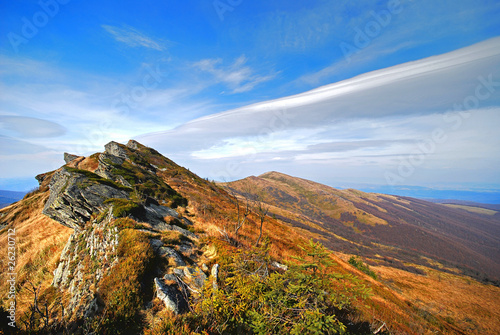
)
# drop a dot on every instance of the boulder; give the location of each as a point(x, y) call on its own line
point(196, 277)
point(69, 157)
point(171, 296)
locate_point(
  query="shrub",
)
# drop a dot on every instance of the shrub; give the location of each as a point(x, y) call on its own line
point(358, 264)
point(249, 299)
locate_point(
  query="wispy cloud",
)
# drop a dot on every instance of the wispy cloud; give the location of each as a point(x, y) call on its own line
point(134, 38)
point(238, 76)
point(366, 121)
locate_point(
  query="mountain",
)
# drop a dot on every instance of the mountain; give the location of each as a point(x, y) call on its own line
point(383, 227)
point(492, 207)
point(128, 242)
point(9, 197)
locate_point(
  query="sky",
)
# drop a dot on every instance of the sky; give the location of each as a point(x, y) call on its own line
point(366, 94)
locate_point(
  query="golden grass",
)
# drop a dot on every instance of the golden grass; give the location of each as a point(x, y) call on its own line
point(477, 210)
point(461, 301)
point(39, 243)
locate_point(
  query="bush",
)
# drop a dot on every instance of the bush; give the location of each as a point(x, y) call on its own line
point(358, 264)
point(250, 299)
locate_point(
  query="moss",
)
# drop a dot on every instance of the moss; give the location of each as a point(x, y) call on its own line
point(125, 207)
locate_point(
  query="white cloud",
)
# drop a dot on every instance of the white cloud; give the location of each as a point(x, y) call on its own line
point(134, 38)
point(369, 120)
point(238, 77)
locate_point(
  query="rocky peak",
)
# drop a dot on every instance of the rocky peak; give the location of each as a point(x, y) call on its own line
point(116, 149)
point(69, 157)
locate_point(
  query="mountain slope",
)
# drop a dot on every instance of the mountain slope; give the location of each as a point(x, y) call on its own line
point(127, 242)
point(384, 225)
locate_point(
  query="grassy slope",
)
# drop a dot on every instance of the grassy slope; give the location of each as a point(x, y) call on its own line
point(39, 242)
point(435, 296)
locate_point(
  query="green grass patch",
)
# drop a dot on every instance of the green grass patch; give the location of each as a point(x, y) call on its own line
point(358, 264)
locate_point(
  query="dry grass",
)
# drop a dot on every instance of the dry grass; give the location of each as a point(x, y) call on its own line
point(39, 243)
point(477, 210)
point(461, 301)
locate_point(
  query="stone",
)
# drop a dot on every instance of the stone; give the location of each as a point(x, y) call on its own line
point(171, 255)
point(171, 296)
point(156, 244)
point(116, 149)
point(69, 157)
point(215, 276)
point(280, 266)
point(179, 272)
point(183, 231)
point(170, 277)
point(134, 145)
point(187, 222)
point(196, 276)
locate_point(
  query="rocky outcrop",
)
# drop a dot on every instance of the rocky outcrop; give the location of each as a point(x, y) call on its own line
point(116, 149)
point(69, 157)
point(80, 199)
point(74, 197)
point(88, 256)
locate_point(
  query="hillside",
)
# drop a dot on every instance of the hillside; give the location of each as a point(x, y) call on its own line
point(383, 226)
point(9, 197)
point(128, 242)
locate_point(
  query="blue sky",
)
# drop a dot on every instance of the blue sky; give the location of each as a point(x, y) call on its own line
point(386, 93)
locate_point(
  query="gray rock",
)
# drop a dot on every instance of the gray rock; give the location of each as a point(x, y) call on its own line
point(179, 272)
point(134, 145)
point(156, 244)
point(155, 215)
point(280, 266)
point(215, 276)
point(73, 198)
point(186, 221)
point(183, 231)
point(171, 296)
point(69, 157)
point(196, 276)
point(186, 249)
point(171, 255)
point(116, 149)
point(170, 277)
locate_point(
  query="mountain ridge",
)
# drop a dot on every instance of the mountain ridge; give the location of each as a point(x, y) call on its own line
point(478, 241)
point(116, 240)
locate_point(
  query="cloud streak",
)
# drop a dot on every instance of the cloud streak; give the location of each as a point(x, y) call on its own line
point(133, 38)
point(374, 116)
point(238, 77)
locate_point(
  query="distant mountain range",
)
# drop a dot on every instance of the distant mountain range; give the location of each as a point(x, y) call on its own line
point(9, 197)
point(487, 196)
point(385, 227)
